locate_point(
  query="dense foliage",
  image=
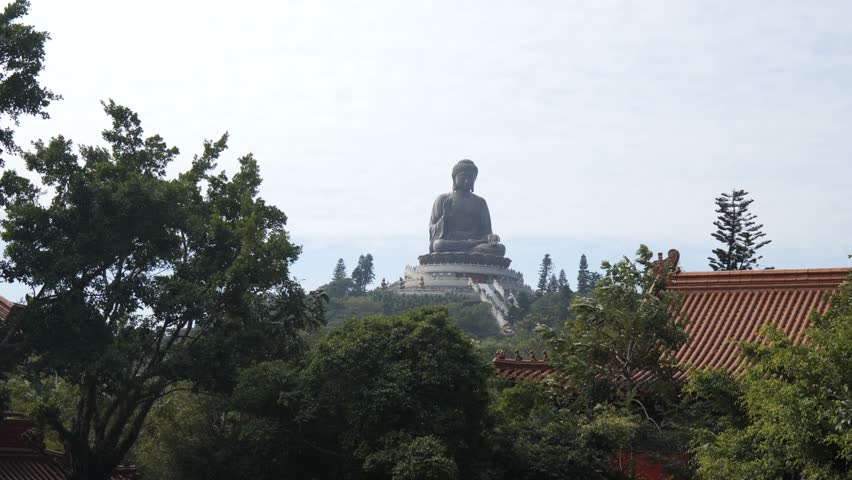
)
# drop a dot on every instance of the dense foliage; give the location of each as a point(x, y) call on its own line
point(470, 315)
point(140, 281)
point(399, 397)
point(790, 415)
point(625, 328)
point(540, 433)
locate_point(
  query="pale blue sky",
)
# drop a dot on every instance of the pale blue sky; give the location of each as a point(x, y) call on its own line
point(596, 125)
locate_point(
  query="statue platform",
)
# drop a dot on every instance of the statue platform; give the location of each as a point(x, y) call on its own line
point(464, 258)
point(440, 273)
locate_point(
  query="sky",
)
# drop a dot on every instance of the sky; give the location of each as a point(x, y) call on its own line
point(596, 125)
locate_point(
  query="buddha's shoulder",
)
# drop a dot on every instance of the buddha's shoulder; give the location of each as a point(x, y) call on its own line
point(477, 198)
point(440, 198)
point(444, 196)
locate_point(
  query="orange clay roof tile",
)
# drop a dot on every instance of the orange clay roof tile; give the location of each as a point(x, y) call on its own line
point(725, 309)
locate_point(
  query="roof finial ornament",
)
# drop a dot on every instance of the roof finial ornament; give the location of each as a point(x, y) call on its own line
point(668, 265)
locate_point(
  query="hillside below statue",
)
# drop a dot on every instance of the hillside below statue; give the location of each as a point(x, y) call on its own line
point(460, 221)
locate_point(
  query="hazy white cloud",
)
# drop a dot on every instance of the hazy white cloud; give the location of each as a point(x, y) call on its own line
point(596, 125)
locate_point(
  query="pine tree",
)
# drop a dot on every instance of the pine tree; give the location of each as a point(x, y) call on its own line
point(584, 277)
point(340, 285)
point(738, 231)
point(552, 284)
point(339, 271)
point(563, 280)
point(543, 274)
point(363, 275)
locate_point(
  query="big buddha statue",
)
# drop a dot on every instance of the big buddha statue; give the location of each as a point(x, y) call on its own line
point(460, 221)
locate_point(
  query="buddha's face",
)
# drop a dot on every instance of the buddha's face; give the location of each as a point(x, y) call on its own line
point(463, 181)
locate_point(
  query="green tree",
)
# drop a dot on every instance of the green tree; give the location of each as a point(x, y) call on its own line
point(185, 438)
point(21, 61)
point(790, 415)
point(339, 271)
point(340, 285)
point(552, 284)
point(362, 274)
point(474, 318)
point(624, 328)
point(544, 272)
point(739, 233)
point(585, 278)
point(382, 383)
point(140, 282)
point(537, 434)
point(563, 280)
point(551, 309)
point(623, 339)
point(518, 309)
point(400, 397)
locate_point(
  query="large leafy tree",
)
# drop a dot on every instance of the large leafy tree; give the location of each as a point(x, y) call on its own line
point(790, 415)
point(617, 355)
point(738, 231)
point(21, 61)
point(538, 434)
point(140, 281)
point(399, 397)
point(623, 330)
point(383, 387)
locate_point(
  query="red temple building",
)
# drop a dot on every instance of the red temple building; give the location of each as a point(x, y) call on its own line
point(723, 310)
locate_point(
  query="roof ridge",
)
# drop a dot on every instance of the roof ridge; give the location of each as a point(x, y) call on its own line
point(740, 279)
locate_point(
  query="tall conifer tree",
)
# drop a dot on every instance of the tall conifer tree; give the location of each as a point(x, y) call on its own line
point(340, 284)
point(584, 280)
point(552, 284)
point(738, 231)
point(563, 280)
point(544, 274)
point(339, 271)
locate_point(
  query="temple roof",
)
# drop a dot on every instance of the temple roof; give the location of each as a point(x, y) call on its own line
point(19, 461)
point(7, 307)
point(726, 308)
point(519, 370)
